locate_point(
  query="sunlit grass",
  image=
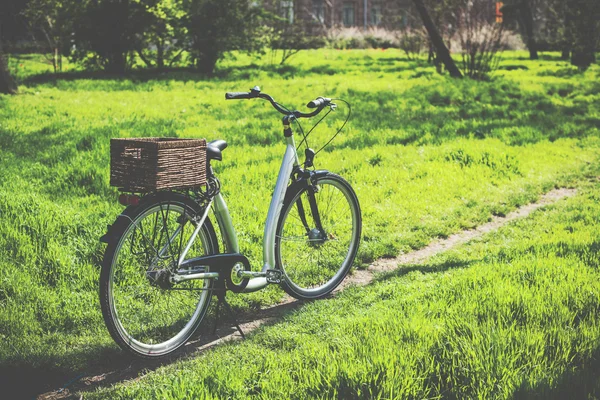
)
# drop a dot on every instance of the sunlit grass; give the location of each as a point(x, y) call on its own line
point(427, 156)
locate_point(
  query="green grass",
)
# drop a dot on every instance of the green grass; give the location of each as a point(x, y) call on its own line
point(427, 156)
point(513, 314)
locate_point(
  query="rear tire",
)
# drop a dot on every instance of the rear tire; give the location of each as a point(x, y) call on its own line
point(146, 315)
point(315, 262)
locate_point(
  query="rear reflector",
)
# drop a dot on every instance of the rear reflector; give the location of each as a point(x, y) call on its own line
point(129, 199)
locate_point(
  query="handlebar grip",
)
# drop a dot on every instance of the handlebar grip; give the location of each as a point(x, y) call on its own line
point(318, 102)
point(237, 95)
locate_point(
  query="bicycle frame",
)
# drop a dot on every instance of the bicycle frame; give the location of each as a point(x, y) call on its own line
point(257, 279)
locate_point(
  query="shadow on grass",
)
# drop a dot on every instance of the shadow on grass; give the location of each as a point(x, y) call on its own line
point(583, 383)
point(243, 72)
point(109, 365)
point(403, 270)
point(229, 73)
point(438, 113)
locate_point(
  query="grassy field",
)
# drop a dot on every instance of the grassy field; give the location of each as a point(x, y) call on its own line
point(427, 156)
point(511, 315)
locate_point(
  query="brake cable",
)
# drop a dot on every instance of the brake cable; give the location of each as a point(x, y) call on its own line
point(340, 129)
point(305, 135)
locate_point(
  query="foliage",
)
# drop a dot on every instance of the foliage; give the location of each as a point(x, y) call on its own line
point(570, 26)
point(523, 14)
point(49, 20)
point(217, 26)
point(479, 36)
point(427, 155)
point(7, 83)
point(106, 32)
point(413, 42)
point(165, 36)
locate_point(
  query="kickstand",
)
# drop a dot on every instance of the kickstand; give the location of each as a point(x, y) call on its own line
point(222, 300)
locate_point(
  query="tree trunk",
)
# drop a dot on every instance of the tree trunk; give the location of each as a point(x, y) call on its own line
point(116, 63)
point(160, 55)
point(7, 83)
point(207, 62)
point(584, 15)
point(527, 20)
point(582, 57)
point(442, 51)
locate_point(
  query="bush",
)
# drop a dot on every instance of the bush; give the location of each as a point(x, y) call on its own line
point(106, 32)
point(356, 38)
point(479, 37)
point(292, 38)
point(413, 42)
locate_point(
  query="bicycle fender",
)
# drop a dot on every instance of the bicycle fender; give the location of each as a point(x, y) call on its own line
point(304, 182)
point(113, 231)
point(320, 173)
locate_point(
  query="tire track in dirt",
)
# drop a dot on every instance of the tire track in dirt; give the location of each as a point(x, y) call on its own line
point(129, 369)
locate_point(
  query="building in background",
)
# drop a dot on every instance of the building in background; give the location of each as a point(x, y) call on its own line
point(324, 14)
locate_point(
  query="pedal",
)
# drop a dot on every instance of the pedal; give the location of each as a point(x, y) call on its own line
point(274, 276)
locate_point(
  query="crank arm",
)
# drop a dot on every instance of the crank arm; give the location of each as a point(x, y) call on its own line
point(272, 275)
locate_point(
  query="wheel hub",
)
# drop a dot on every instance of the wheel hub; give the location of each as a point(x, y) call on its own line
point(316, 237)
point(160, 278)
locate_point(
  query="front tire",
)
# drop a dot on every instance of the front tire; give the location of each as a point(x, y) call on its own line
point(145, 314)
point(315, 261)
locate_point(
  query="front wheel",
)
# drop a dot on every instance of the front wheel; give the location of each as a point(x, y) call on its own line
point(317, 237)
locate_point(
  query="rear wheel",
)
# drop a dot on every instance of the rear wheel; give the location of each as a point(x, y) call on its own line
point(145, 313)
point(317, 237)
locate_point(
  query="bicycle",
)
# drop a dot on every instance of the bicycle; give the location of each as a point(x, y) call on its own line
point(162, 263)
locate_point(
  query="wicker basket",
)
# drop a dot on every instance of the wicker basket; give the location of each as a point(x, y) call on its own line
point(150, 164)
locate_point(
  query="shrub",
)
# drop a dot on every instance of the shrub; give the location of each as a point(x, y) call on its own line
point(356, 38)
point(105, 33)
point(217, 26)
point(292, 38)
point(479, 37)
point(412, 42)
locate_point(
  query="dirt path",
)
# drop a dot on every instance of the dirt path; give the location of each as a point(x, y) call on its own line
point(128, 369)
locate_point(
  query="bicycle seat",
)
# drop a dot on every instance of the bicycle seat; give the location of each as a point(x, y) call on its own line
point(214, 149)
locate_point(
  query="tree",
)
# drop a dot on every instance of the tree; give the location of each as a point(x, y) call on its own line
point(442, 51)
point(522, 11)
point(107, 32)
point(217, 26)
point(480, 36)
point(164, 38)
point(584, 24)
point(7, 83)
point(574, 29)
point(49, 19)
point(7, 14)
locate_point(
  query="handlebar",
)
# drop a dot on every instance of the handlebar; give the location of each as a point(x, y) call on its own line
point(319, 103)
